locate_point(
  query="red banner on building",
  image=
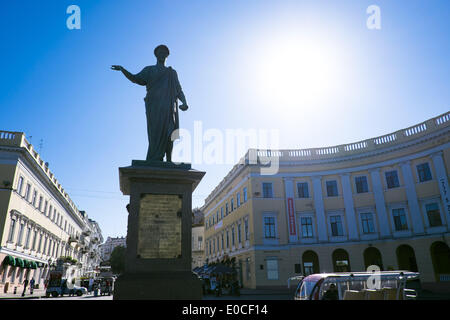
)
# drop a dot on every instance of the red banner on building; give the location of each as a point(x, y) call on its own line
point(292, 229)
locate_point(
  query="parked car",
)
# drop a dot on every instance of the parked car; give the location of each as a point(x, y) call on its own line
point(61, 288)
point(391, 285)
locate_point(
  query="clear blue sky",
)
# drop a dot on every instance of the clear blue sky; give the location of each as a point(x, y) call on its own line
point(310, 69)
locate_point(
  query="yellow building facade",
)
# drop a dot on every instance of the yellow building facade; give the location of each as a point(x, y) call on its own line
point(38, 221)
point(383, 201)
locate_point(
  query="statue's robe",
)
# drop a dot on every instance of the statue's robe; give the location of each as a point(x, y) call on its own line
point(161, 106)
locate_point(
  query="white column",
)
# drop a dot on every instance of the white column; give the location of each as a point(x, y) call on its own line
point(441, 177)
point(290, 209)
point(320, 211)
point(411, 194)
point(349, 207)
point(380, 205)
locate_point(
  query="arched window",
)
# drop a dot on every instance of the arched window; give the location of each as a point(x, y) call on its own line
point(341, 261)
point(406, 258)
point(440, 256)
point(310, 262)
point(372, 256)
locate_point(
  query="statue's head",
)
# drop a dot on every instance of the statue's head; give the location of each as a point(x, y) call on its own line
point(161, 52)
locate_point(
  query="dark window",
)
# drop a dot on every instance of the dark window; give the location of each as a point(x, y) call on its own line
point(245, 194)
point(399, 219)
point(238, 199)
point(269, 227)
point(298, 268)
point(336, 226)
point(267, 190)
point(361, 184)
point(392, 179)
point(246, 229)
point(424, 172)
point(367, 223)
point(332, 190)
point(302, 189)
point(307, 228)
point(434, 215)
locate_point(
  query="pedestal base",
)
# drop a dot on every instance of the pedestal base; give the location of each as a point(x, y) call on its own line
point(158, 286)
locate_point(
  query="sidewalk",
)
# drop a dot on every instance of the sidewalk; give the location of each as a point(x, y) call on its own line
point(37, 293)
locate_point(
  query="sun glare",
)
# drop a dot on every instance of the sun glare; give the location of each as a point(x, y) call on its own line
point(295, 71)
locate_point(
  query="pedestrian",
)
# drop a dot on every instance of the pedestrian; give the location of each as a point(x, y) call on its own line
point(25, 284)
point(31, 285)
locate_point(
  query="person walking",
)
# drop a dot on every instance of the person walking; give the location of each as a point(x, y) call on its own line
point(25, 284)
point(32, 285)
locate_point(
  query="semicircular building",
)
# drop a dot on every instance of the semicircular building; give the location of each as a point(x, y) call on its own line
point(383, 201)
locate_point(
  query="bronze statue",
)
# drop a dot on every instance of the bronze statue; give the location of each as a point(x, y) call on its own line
point(161, 104)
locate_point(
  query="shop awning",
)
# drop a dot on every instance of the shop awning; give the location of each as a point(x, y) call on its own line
point(9, 260)
point(33, 265)
point(19, 263)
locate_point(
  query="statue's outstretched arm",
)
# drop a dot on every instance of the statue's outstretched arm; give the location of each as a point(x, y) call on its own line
point(129, 75)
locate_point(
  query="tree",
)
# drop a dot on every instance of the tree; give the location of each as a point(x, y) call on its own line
point(117, 259)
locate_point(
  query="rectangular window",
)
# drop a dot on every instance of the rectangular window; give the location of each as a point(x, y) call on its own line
point(336, 226)
point(34, 240)
point(27, 192)
point(222, 241)
point(361, 184)
point(232, 236)
point(307, 227)
point(232, 204)
point(399, 219)
point(11, 230)
point(302, 188)
point(272, 268)
point(245, 194)
point(424, 172)
point(217, 216)
point(27, 237)
point(239, 233)
point(221, 213)
point(228, 239)
point(238, 199)
point(367, 223)
point(19, 185)
point(19, 239)
point(269, 227)
point(40, 244)
point(33, 201)
point(226, 209)
point(50, 211)
point(433, 214)
point(41, 199)
point(267, 190)
point(332, 190)
point(45, 207)
point(392, 179)
point(246, 229)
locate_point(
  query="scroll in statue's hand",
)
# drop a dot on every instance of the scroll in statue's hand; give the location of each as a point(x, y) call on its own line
point(184, 107)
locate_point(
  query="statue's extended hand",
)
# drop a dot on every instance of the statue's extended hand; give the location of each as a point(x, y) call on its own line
point(115, 67)
point(184, 107)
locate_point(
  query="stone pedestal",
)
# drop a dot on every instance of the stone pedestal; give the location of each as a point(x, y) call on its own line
point(158, 255)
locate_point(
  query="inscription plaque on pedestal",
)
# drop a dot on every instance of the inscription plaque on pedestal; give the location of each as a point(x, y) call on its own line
point(159, 235)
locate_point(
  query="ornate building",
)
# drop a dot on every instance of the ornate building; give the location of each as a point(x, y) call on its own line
point(39, 223)
point(198, 234)
point(382, 201)
point(107, 248)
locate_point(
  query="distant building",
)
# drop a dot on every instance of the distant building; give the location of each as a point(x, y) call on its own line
point(382, 201)
point(39, 223)
point(198, 246)
point(107, 248)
